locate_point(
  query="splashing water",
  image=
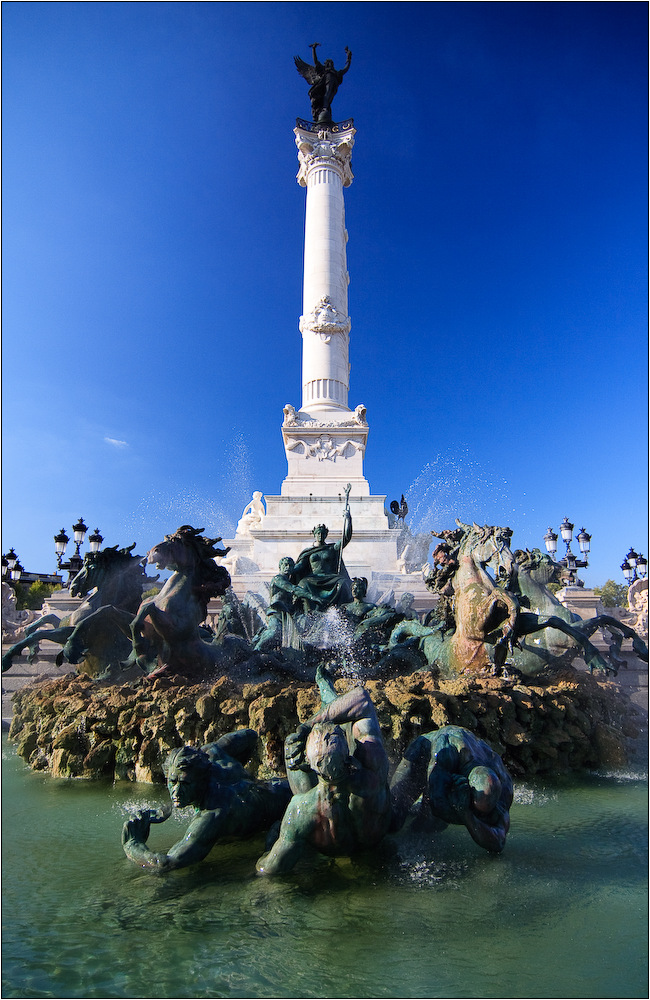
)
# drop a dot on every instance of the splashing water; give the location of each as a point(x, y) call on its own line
point(328, 629)
point(160, 513)
point(524, 795)
point(457, 486)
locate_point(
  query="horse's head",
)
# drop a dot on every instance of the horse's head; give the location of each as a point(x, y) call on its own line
point(488, 546)
point(537, 565)
point(100, 569)
point(173, 553)
point(187, 552)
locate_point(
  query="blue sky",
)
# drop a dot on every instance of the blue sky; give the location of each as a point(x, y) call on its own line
point(152, 260)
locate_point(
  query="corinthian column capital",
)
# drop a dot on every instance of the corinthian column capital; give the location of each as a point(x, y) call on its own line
point(325, 148)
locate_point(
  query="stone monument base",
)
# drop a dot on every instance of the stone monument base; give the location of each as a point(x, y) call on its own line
point(390, 558)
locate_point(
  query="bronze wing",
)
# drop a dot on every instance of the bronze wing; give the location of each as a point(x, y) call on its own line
point(309, 72)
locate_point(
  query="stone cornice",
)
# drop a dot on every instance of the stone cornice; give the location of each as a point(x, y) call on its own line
point(294, 419)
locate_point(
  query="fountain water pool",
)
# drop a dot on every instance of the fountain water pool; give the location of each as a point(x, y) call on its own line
point(561, 913)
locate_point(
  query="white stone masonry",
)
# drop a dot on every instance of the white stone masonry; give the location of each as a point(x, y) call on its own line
point(325, 441)
point(325, 325)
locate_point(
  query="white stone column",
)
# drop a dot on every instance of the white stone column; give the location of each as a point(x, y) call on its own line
point(324, 155)
point(325, 440)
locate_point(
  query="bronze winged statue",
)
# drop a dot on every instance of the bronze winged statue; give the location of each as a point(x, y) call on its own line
point(325, 80)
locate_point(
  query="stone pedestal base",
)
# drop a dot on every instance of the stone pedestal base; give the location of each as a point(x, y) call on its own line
point(581, 601)
point(61, 603)
point(325, 452)
point(286, 529)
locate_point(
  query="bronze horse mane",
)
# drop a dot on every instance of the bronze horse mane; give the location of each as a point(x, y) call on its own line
point(210, 578)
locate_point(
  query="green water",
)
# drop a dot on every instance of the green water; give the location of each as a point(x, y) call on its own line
point(562, 913)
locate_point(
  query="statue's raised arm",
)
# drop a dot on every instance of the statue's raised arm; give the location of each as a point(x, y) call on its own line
point(324, 82)
point(317, 63)
point(227, 802)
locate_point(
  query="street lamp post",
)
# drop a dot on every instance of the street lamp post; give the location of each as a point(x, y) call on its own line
point(11, 566)
point(569, 561)
point(634, 566)
point(75, 562)
point(10, 561)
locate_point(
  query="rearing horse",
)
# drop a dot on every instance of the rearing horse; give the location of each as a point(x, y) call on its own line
point(482, 630)
point(165, 631)
point(484, 614)
point(560, 635)
point(96, 638)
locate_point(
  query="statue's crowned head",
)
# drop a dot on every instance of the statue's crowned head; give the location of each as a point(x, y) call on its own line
point(359, 587)
point(320, 533)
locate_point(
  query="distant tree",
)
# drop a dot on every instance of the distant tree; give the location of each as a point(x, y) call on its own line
point(554, 587)
point(146, 594)
point(31, 598)
point(21, 595)
point(612, 594)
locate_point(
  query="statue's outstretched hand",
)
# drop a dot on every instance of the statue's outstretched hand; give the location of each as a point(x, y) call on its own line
point(294, 748)
point(137, 827)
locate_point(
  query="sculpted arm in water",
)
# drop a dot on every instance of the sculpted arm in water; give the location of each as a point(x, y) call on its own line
point(475, 791)
point(294, 834)
point(491, 832)
point(409, 780)
point(202, 834)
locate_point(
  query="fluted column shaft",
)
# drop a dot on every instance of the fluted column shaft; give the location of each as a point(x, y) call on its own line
point(325, 325)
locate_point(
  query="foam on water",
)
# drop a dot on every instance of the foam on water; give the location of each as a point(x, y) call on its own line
point(525, 795)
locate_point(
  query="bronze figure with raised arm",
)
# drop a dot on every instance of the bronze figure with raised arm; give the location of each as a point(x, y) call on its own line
point(325, 80)
point(320, 571)
point(460, 779)
point(228, 803)
point(338, 771)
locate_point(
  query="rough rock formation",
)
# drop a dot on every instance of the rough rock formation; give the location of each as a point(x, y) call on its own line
point(76, 728)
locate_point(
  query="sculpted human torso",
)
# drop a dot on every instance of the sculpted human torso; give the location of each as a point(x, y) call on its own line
point(341, 802)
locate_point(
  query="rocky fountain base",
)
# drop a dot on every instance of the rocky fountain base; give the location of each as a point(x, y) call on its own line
point(75, 727)
point(484, 661)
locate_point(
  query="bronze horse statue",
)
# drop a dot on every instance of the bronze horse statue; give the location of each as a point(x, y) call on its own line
point(96, 637)
point(482, 624)
point(554, 644)
point(484, 615)
point(166, 631)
